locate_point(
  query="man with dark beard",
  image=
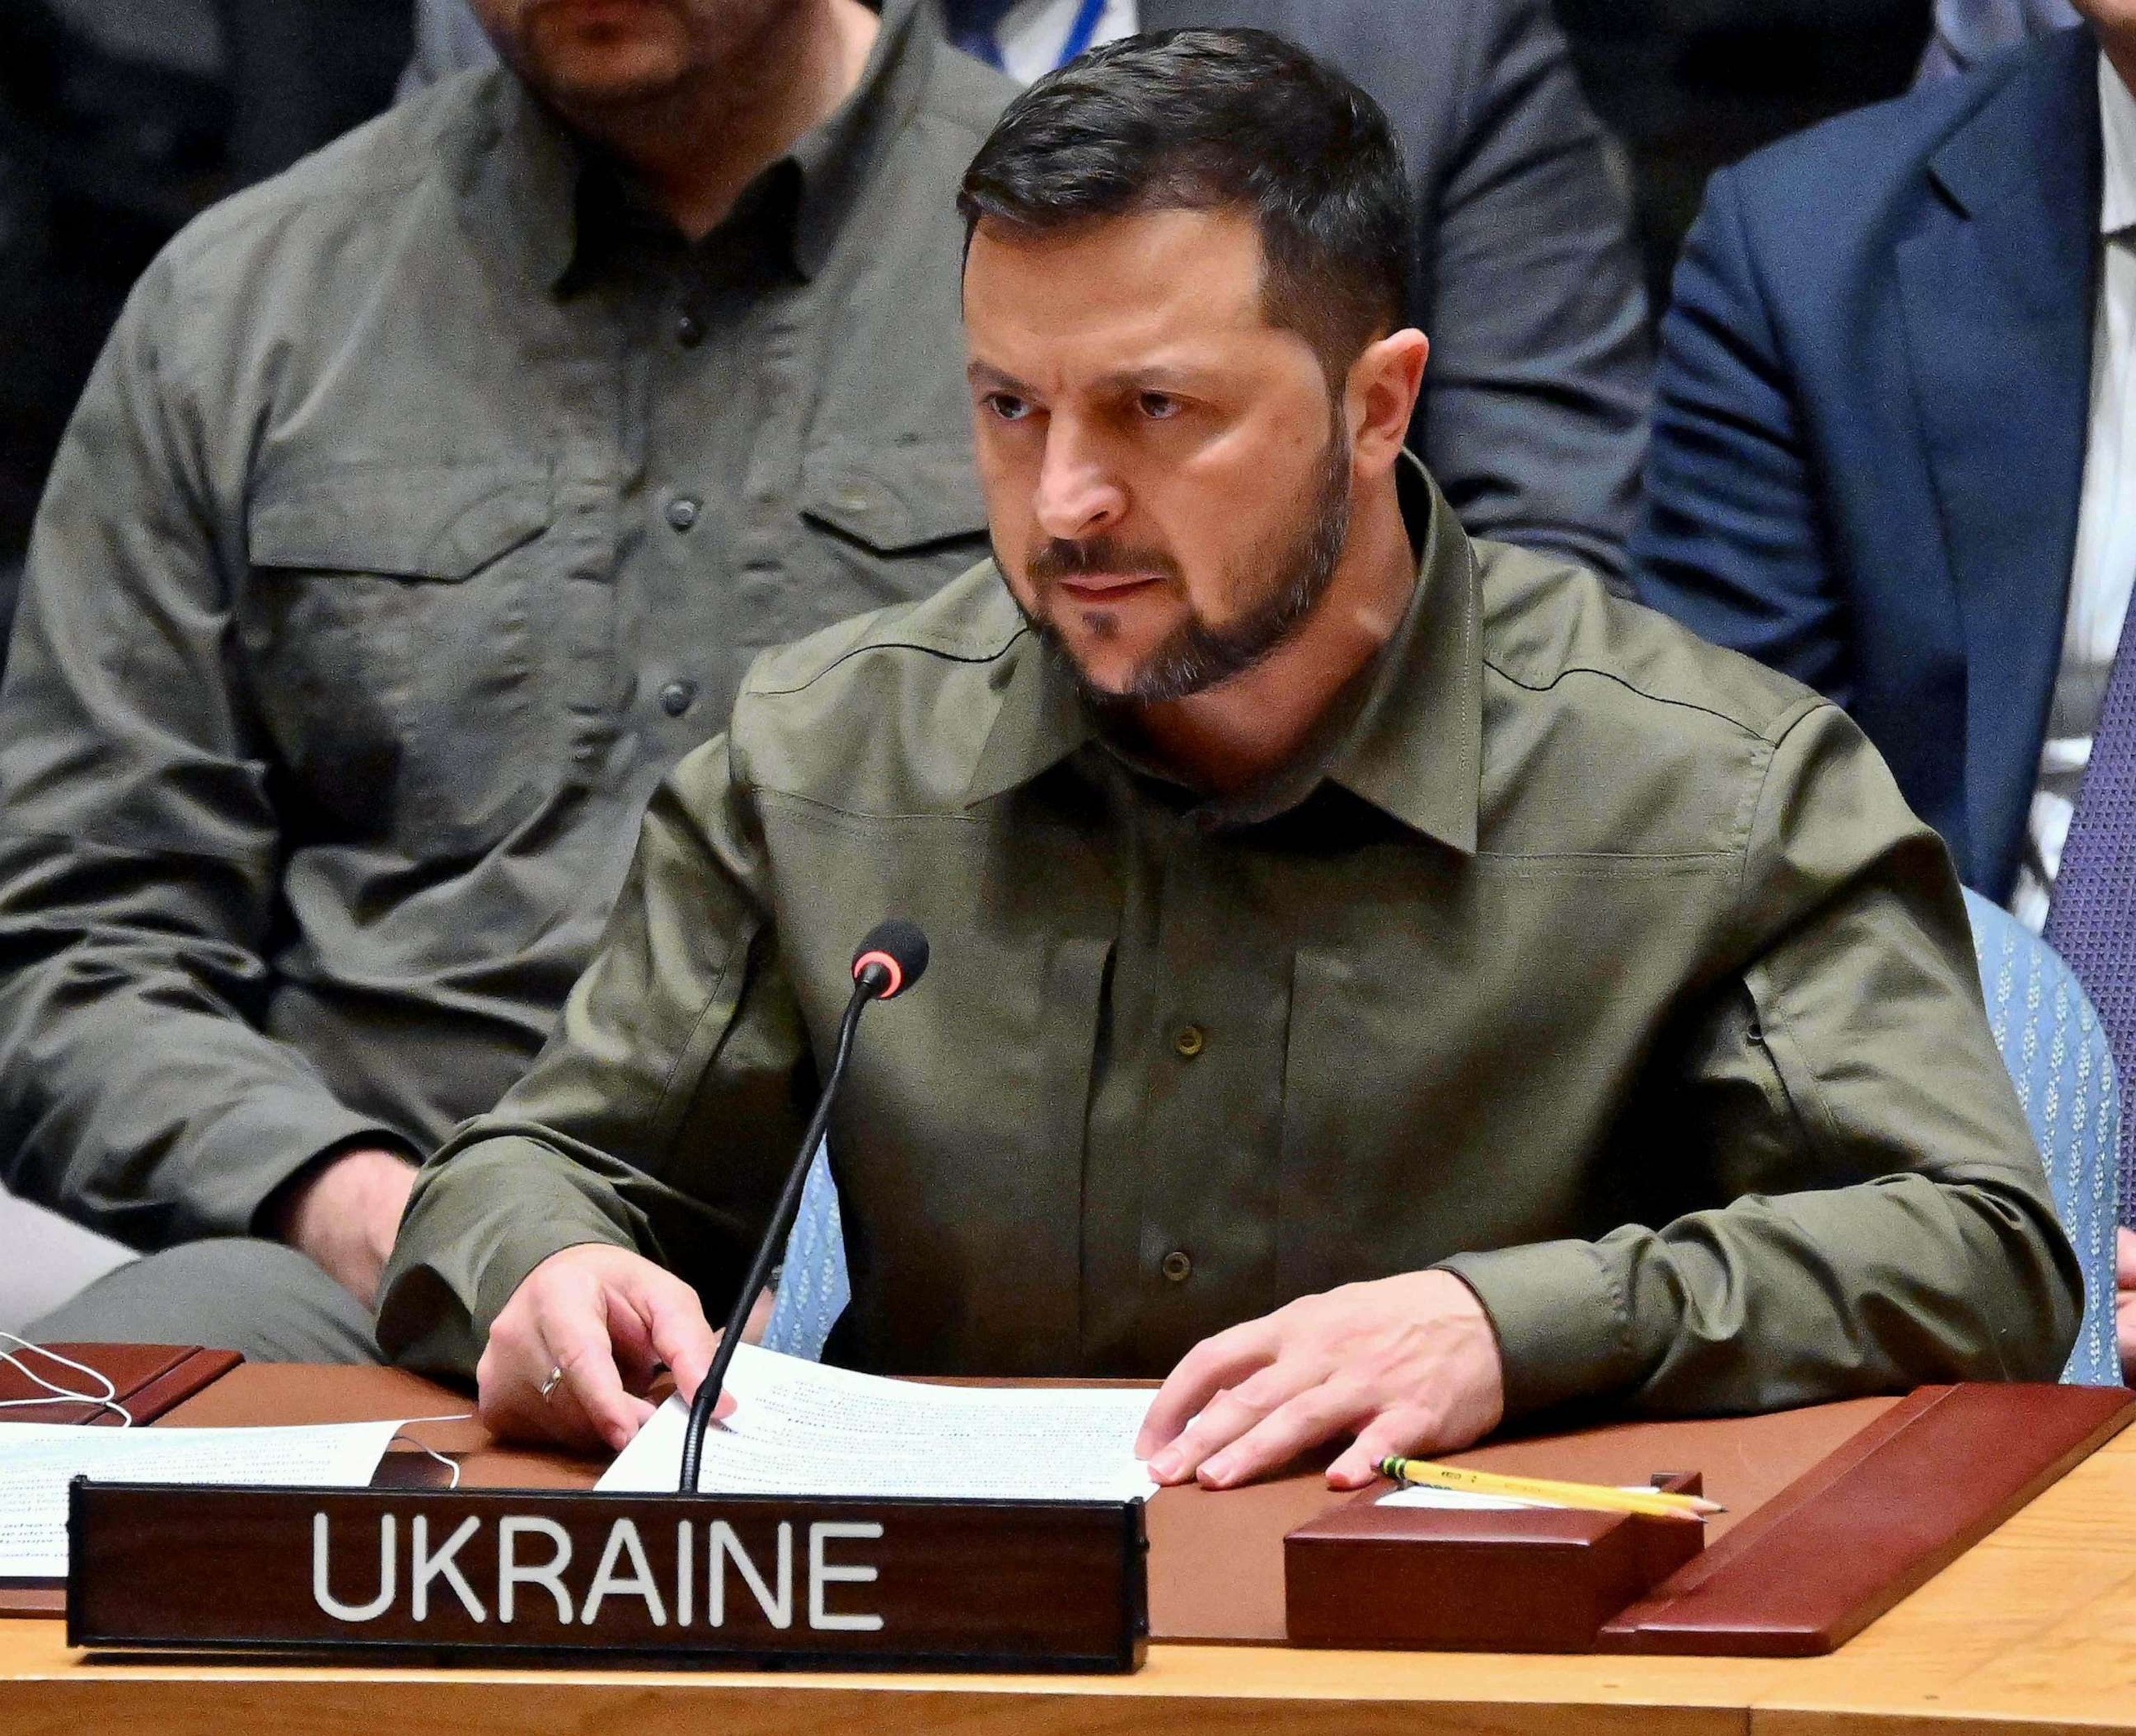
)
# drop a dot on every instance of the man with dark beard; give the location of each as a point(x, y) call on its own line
point(1379, 981)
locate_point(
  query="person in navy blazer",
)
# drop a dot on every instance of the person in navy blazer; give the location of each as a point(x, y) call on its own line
point(1871, 418)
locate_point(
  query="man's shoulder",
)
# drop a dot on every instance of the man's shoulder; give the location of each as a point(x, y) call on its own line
point(361, 182)
point(1434, 67)
point(1862, 168)
point(962, 96)
point(1553, 628)
point(890, 707)
point(1610, 730)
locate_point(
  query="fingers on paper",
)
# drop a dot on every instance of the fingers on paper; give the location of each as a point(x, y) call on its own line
point(1239, 1414)
point(1212, 1366)
point(682, 1338)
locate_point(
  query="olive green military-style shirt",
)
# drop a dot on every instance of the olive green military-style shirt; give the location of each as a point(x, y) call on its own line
point(1603, 967)
point(428, 505)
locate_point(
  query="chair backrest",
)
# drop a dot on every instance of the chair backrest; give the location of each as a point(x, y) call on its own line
point(2055, 1047)
point(812, 1287)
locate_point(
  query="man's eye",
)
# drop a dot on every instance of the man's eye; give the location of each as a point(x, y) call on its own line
point(1158, 406)
point(1005, 407)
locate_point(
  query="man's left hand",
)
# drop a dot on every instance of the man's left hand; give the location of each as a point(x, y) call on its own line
point(1408, 1365)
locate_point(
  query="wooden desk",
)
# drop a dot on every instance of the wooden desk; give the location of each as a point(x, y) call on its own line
point(2034, 1630)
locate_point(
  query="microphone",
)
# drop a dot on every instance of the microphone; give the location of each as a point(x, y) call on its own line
point(891, 960)
point(888, 960)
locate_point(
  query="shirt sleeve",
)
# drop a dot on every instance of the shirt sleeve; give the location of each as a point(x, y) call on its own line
point(1535, 408)
point(1891, 1224)
point(682, 1044)
point(139, 847)
point(1731, 536)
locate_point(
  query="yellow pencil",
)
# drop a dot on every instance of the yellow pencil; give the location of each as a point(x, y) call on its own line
point(1598, 1497)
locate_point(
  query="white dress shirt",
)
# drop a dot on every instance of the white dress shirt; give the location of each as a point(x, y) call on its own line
point(2105, 566)
point(1033, 33)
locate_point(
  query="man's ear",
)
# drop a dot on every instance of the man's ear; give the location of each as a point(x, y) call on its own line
point(1381, 397)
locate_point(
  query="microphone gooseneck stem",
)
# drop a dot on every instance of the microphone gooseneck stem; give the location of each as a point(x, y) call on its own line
point(872, 982)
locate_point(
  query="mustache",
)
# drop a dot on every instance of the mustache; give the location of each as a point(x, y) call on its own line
point(1062, 558)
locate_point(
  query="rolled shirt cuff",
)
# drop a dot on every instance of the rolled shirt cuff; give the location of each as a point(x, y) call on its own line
point(263, 1138)
point(475, 1228)
point(1564, 1330)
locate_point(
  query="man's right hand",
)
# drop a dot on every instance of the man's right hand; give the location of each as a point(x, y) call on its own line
point(610, 1320)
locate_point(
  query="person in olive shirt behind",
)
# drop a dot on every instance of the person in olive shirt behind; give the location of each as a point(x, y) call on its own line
point(427, 505)
point(1380, 982)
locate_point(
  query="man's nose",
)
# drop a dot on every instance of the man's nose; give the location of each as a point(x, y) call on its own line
point(1078, 494)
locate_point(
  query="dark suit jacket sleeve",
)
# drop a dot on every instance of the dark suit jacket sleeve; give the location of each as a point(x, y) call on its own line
point(1731, 540)
point(1536, 398)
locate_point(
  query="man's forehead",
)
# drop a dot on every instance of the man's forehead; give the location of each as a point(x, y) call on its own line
point(1147, 272)
point(1145, 261)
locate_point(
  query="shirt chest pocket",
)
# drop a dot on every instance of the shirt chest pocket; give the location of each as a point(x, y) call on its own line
point(395, 620)
point(878, 524)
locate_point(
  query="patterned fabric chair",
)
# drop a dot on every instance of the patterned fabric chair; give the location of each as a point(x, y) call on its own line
point(812, 1290)
point(2053, 1044)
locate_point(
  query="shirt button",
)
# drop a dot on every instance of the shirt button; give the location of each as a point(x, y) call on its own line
point(1190, 1041)
point(689, 331)
point(677, 697)
point(681, 511)
point(1178, 1266)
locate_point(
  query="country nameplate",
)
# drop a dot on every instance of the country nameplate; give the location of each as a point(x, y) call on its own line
point(540, 1577)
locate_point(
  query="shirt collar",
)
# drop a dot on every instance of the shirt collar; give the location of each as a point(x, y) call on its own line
point(1413, 747)
point(2116, 114)
point(526, 175)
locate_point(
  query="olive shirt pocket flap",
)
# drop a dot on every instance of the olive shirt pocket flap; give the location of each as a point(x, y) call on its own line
point(893, 498)
point(437, 521)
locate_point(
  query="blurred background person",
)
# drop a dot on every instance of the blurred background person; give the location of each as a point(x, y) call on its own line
point(426, 504)
point(1895, 456)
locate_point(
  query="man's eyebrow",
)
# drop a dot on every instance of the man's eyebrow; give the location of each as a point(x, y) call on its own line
point(1156, 377)
point(986, 374)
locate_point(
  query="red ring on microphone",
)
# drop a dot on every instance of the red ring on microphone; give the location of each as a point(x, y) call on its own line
point(896, 971)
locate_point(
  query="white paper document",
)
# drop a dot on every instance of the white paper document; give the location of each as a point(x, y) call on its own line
point(38, 1460)
point(1453, 1500)
point(801, 1429)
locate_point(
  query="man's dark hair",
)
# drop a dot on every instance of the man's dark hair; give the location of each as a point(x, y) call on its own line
point(1212, 121)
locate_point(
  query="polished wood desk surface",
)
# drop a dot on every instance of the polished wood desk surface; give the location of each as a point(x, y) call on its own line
point(2035, 1630)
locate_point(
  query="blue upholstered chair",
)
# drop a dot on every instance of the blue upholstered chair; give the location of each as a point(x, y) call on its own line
point(2053, 1044)
point(812, 1290)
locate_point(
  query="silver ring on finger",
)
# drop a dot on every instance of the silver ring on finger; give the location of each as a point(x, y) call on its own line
point(555, 1379)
